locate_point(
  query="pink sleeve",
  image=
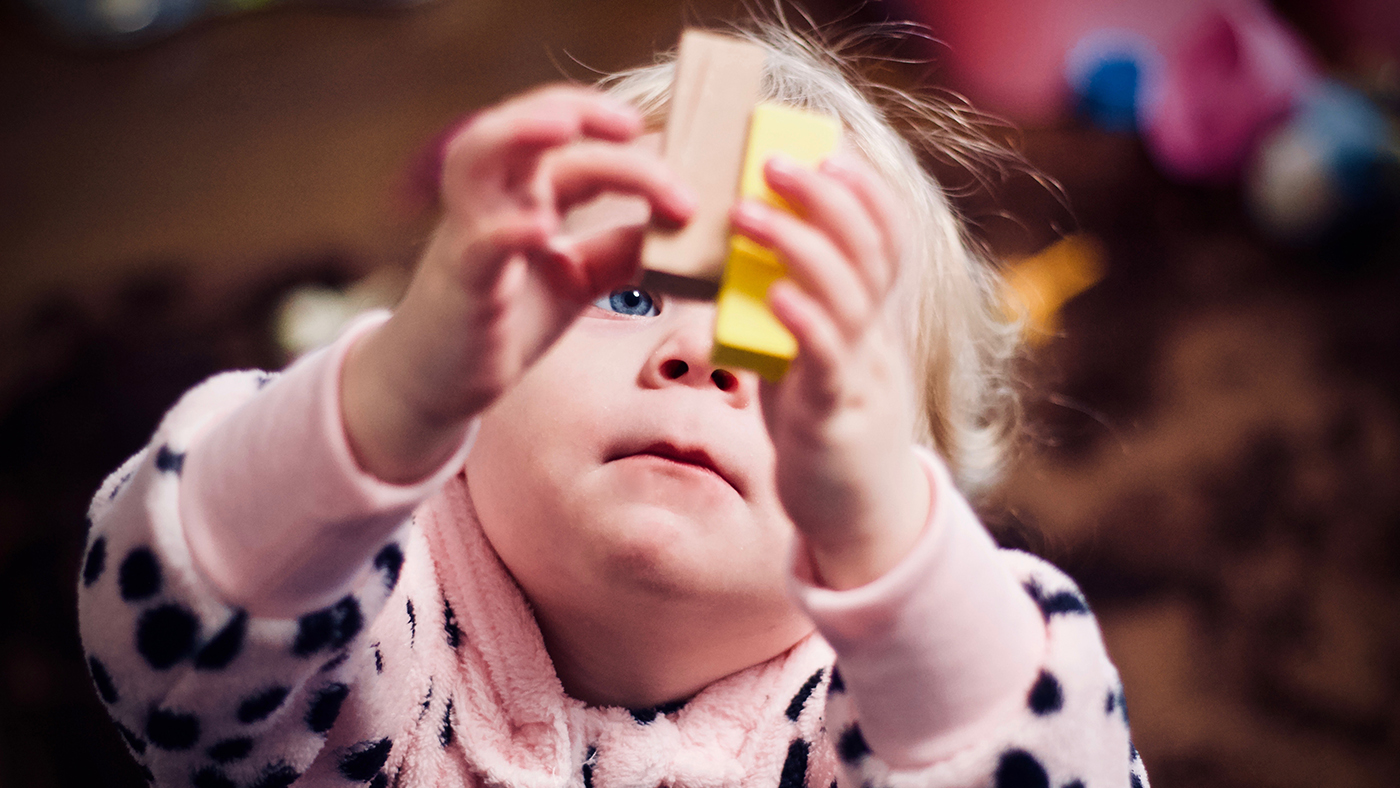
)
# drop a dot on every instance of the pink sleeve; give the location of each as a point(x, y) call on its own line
point(278, 515)
point(941, 649)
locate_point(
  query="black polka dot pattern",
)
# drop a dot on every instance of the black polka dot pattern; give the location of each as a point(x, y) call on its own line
point(171, 730)
point(1046, 696)
point(1020, 769)
point(230, 750)
point(1117, 702)
point(168, 461)
point(259, 707)
point(211, 777)
point(378, 659)
point(335, 662)
point(119, 486)
point(103, 681)
point(647, 715)
point(364, 760)
point(331, 627)
point(838, 684)
point(427, 701)
point(139, 575)
point(794, 773)
point(445, 732)
point(851, 746)
point(389, 560)
point(1058, 603)
point(95, 562)
point(136, 743)
point(412, 622)
point(277, 775)
point(325, 707)
point(165, 635)
point(588, 766)
point(799, 701)
point(224, 646)
point(449, 625)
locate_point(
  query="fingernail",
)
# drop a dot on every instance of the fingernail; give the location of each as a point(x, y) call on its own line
point(750, 211)
point(783, 166)
point(835, 164)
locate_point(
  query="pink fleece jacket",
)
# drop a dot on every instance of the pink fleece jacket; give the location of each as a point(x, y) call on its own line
point(257, 611)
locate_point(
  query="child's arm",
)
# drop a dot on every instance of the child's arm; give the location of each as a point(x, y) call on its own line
point(842, 420)
point(498, 283)
point(948, 655)
point(204, 636)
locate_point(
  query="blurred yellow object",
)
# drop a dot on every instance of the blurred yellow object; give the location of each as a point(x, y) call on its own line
point(1037, 286)
point(746, 333)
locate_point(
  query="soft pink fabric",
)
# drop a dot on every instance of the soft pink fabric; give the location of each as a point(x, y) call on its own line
point(950, 608)
point(429, 669)
point(277, 513)
point(285, 532)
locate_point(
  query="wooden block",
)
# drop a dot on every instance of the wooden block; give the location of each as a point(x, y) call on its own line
point(717, 84)
point(746, 332)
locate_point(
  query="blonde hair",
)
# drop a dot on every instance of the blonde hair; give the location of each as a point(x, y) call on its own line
point(961, 342)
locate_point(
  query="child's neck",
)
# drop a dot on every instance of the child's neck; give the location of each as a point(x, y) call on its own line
point(640, 653)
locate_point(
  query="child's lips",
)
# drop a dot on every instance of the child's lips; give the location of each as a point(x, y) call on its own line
point(685, 455)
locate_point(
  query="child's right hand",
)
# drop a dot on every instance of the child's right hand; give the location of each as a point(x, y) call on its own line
point(500, 280)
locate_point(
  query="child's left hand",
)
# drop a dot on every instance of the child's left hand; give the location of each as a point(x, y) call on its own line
point(841, 420)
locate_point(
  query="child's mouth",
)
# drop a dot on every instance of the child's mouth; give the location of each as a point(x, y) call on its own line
point(692, 456)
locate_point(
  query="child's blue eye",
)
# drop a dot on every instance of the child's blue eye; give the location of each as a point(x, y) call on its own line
point(628, 301)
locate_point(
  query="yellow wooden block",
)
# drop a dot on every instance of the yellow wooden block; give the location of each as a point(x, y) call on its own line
point(746, 333)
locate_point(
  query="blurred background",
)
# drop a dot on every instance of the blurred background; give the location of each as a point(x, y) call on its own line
point(1206, 240)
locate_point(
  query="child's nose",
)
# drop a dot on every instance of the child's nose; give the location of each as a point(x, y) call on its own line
point(679, 369)
point(683, 357)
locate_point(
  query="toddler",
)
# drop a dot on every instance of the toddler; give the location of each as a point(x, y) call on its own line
point(522, 532)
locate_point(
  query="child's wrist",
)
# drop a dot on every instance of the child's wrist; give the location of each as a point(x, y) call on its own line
point(392, 435)
point(864, 553)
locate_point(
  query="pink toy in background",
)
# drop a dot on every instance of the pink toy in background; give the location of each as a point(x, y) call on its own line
point(1219, 90)
point(1009, 56)
point(1228, 80)
point(1201, 79)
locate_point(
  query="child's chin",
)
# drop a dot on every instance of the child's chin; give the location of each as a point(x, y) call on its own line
point(686, 554)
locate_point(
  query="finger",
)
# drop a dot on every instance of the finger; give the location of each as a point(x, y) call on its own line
point(513, 134)
point(605, 259)
point(813, 261)
point(554, 115)
point(830, 205)
point(877, 197)
point(579, 173)
point(495, 240)
point(600, 116)
point(819, 343)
